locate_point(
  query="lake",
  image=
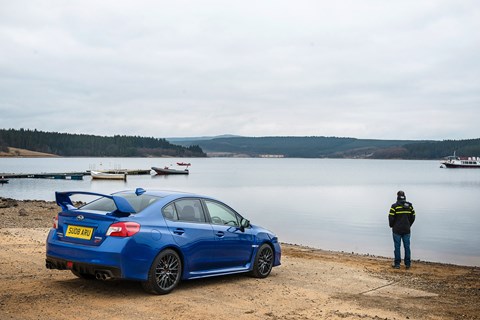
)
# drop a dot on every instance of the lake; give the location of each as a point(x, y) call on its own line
point(331, 204)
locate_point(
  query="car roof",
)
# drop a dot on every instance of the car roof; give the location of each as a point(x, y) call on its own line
point(169, 194)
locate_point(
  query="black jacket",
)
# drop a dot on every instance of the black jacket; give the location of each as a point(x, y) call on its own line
point(401, 217)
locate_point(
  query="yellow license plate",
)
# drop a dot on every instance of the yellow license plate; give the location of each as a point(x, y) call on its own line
point(79, 232)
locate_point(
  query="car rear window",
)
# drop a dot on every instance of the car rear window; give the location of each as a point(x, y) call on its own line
point(137, 202)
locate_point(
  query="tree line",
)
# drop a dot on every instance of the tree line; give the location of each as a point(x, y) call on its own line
point(441, 149)
point(297, 147)
point(83, 145)
point(337, 147)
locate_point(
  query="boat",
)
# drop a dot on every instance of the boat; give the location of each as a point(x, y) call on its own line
point(108, 176)
point(3, 180)
point(461, 162)
point(170, 170)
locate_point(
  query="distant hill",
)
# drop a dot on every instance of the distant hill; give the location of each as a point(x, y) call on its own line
point(440, 149)
point(83, 145)
point(334, 147)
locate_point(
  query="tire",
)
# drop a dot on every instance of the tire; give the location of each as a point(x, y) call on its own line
point(86, 276)
point(164, 274)
point(263, 262)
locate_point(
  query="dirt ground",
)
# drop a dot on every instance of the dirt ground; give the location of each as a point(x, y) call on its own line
point(24, 153)
point(310, 284)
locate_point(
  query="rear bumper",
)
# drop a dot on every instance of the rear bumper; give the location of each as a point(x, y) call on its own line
point(120, 258)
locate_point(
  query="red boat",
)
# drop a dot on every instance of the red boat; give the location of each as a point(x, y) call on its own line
point(183, 164)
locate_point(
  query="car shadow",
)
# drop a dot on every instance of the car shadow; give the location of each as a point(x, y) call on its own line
point(211, 281)
point(120, 288)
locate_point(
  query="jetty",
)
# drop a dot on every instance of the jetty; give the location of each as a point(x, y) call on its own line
point(69, 175)
point(63, 175)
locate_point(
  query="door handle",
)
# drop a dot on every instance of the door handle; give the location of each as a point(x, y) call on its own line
point(179, 231)
point(220, 234)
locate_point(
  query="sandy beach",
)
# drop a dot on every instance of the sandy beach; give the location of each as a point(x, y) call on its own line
point(310, 284)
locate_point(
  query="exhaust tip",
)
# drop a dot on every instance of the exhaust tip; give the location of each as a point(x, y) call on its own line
point(104, 275)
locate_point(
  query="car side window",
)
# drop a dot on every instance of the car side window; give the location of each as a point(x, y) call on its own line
point(189, 210)
point(169, 212)
point(220, 214)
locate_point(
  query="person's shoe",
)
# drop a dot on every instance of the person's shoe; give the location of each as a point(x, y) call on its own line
point(408, 267)
point(396, 266)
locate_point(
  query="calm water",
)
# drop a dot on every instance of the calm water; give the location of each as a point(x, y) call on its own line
point(337, 205)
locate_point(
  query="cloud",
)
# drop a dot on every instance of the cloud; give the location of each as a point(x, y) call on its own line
point(369, 69)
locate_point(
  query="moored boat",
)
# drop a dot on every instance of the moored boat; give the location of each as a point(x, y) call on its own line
point(169, 170)
point(3, 180)
point(108, 176)
point(461, 162)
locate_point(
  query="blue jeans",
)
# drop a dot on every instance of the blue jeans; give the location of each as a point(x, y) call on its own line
point(397, 239)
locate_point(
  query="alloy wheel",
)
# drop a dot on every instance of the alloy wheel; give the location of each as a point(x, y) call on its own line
point(167, 271)
point(265, 260)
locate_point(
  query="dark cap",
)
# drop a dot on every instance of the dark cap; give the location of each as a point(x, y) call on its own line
point(401, 195)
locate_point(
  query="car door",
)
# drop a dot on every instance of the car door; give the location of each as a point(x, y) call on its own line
point(186, 221)
point(234, 245)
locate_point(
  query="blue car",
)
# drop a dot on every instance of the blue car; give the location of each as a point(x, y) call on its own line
point(158, 238)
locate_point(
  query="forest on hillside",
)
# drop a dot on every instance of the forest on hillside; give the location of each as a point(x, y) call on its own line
point(83, 145)
point(336, 147)
point(441, 149)
point(298, 147)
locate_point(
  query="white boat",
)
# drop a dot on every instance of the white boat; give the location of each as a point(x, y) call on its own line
point(108, 176)
point(168, 170)
point(171, 170)
point(461, 162)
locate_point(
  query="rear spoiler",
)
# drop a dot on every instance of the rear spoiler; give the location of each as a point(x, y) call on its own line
point(64, 201)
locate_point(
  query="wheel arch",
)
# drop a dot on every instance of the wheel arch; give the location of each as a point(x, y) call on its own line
point(264, 237)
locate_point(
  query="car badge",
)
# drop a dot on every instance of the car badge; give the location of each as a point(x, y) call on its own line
point(80, 217)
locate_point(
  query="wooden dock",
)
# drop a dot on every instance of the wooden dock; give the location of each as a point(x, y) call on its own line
point(69, 175)
point(62, 175)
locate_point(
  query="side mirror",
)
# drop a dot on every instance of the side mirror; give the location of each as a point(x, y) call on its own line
point(244, 223)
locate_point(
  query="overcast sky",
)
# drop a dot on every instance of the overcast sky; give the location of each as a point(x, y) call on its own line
point(361, 68)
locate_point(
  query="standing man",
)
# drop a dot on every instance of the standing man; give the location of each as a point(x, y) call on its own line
point(401, 218)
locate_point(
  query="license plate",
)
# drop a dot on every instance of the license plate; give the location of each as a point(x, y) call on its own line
point(79, 232)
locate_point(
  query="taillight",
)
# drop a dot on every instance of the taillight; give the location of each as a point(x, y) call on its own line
point(55, 222)
point(123, 229)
